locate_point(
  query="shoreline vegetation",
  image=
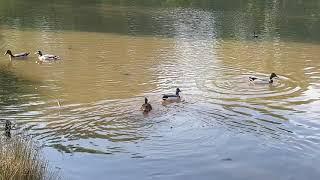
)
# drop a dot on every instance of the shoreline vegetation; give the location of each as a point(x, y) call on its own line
point(21, 159)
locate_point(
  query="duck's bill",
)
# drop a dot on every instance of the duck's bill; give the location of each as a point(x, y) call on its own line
point(5, 53)
point(36, 53)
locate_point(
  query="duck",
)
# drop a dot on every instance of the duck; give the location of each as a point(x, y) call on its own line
point(263, 81)
point(255, 35)
point(172, 97)
point(7, 128)
point(146, 107)
point(46, 57)
point(16, 56)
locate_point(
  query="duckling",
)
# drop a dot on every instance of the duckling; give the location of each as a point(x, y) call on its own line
point(263, 81)
point(16, 56)
point(146, 107)
point(172, 97)
point(46, 57)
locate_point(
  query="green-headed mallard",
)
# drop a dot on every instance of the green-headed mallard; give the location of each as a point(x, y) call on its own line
point(263, 81)
point(46, 57)
point(16, 56)
point(172, 97)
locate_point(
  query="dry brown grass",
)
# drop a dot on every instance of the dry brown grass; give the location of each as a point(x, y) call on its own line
point(20, 159)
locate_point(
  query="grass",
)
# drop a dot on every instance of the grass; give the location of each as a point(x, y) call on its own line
point(21, 159)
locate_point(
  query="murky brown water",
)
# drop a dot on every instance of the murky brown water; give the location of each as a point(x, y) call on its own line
point(85, 108)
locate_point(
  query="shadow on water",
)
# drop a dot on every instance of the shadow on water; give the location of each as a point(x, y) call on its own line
point(290, 20)
point(14, 93)
point(12, 89)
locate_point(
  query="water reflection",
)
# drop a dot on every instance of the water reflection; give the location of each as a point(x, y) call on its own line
point(293, 21)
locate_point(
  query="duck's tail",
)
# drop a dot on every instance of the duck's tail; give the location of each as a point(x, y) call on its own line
point(252, 78)
point(165, 97)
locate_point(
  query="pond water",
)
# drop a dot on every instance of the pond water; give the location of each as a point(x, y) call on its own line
point(84, 109)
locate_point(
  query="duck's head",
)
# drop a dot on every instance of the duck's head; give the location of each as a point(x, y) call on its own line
point(145, 100)
point(273, 75)
point(8, 52)
point(178, 91)
point(38, 53)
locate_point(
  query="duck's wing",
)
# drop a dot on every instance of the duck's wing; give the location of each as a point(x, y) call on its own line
point(143, 107)
point(166, 96)
point(261, 81)
point(25, 54)
point(169, 95)
point(146, 107)
point(252, 78)
point(51, 57)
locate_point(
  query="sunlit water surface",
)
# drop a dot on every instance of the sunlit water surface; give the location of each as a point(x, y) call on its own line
point(85, 108)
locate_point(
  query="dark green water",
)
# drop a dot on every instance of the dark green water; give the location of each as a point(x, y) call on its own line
point(291, 20)
point(114, 53)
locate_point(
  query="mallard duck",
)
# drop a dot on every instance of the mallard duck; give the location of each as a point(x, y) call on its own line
point(16, 56)
point(46, 57)
point(7, 128)
point(172, 97)
point(263, 81)
point(146, 107)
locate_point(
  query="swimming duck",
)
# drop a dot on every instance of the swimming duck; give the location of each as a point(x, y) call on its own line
point(46, 57)
point(16, 56)
point(7, 128)
point(172, 97)
point(263, 81)
point(255, 35)
point(146, 107)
